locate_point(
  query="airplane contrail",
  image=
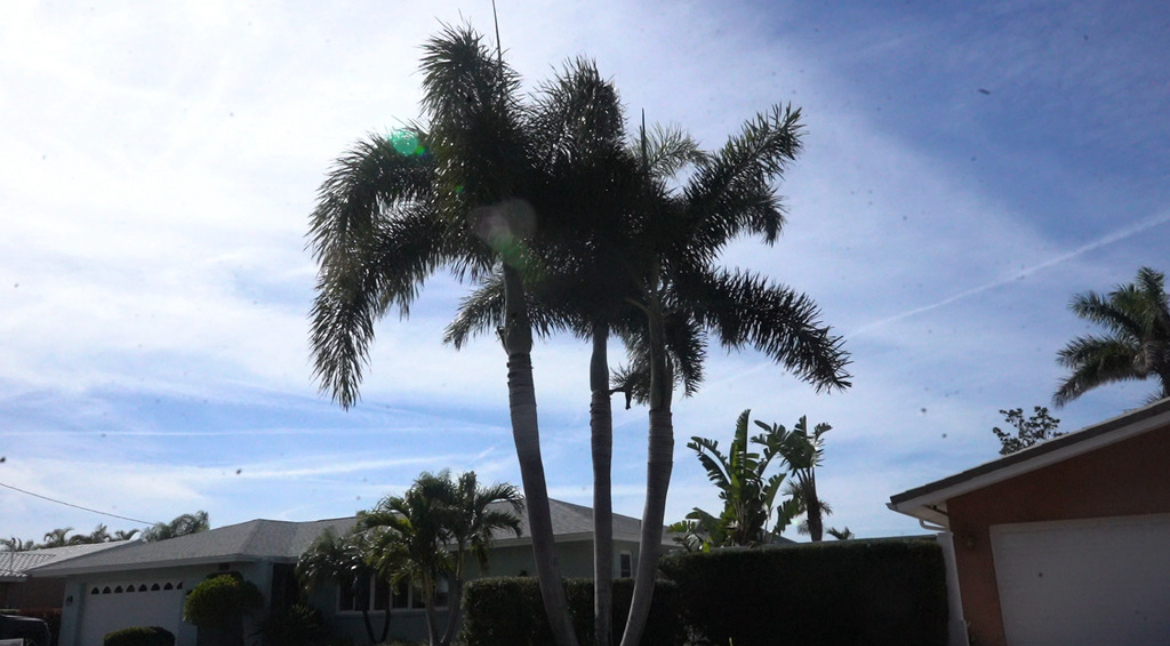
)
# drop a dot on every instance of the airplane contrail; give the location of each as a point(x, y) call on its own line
point(1116, 236)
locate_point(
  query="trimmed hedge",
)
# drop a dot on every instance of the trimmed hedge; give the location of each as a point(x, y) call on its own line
point(221, 601)
point(509, 610)
point(140, 636)
point(862, 592)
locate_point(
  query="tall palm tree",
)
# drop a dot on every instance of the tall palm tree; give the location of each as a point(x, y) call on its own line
point(385, 221)
point(1135, 347)
point(343, 561)
point(646, 275)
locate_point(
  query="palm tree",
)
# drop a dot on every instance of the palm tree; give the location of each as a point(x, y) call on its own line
point(803, 453)
point(385, 221)
point(15, 544)
point(125, 535)
point(180, 526)
point(1136, 346)
point(424, 536)
point(344, 561)
point(57, 537)
point(644, 273)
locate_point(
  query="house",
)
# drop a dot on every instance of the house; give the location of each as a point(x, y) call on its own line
point(1065, 542)
point(145, 584)
point(18, 591)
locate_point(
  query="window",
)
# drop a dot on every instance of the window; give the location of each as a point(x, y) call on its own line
point(625, 565)
point(380, 594)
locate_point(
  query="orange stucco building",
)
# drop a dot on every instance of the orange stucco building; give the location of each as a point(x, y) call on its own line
point(1065, 542)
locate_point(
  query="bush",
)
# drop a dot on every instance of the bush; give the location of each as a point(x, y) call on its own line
point(297, 625)
point(51, 616)
point(864, 592)
point(509, 610)
point(221, 601)
point(141, 636)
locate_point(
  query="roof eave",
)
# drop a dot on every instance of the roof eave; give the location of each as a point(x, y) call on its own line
point(57, 573)
point(925, 502)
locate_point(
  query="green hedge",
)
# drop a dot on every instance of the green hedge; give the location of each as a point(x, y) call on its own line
point(221, 601)
point(864, 592)
point(141, 636)
point(508, 611)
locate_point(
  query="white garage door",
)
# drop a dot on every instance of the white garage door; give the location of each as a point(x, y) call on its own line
point(111, 606)
point(1092, 582)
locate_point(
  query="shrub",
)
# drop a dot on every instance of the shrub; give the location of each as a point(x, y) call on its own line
point(297, 625)
point(509, 610)
point(140, 636)
point(864, 592)
point(221, 601)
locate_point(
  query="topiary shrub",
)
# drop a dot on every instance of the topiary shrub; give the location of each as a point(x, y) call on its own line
point(221, 601)
point(140, 636)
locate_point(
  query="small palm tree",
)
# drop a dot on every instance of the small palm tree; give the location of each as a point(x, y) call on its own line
point(15, 544)
point(125, 534)
point(1135, 347)
point(803, 452)
point(424, 536)
point(344, 561)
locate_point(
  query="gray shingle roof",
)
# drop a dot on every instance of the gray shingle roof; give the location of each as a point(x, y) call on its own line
point(17, 564)
point(285, 541)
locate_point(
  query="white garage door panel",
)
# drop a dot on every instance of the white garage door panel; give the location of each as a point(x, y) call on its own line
point(110, 611)
point(1073, 583)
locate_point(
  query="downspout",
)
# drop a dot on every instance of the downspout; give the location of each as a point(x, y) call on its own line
point(956, 624)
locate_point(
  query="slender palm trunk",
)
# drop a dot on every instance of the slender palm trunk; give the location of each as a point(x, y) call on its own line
point(526, 435)
point(816, 521)
point(601, 426)
point(454, 609)
point(659, 464)
point(429, 612)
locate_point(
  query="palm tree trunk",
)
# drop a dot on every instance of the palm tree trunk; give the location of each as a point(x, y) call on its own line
point(601, 426)
point(454, 610)
point(816, 521)
point(659, 464)
point(526, 435)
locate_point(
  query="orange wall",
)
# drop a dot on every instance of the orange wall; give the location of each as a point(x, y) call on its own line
point(1125, 479)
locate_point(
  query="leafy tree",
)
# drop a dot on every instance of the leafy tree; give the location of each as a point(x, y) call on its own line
point(1136, 345)
point(747, 492)
point(424, 537)
point(1031, 430)
point(180, 526)
point(344, 561)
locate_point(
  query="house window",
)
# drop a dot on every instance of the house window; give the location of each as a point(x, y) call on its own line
point(381, 594)
point(625, 565)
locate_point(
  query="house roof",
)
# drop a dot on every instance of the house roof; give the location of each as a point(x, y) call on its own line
point(929, 502)
point(277, 540)
point(14, 566)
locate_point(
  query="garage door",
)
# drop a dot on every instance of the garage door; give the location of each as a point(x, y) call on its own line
point(1072, 583)
point(111, 606)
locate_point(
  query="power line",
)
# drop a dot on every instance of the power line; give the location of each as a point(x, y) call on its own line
point(69, 504)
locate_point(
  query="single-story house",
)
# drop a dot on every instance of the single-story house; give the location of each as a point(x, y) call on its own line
point(1066, 542)
point(19, 591)
point(145, 584)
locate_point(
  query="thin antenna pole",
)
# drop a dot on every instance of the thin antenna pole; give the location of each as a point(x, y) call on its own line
point(496, 20)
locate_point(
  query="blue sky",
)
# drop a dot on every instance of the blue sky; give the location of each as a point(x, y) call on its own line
point(967, 169)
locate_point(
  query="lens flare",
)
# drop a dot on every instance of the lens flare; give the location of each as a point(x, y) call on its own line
point(406, 143)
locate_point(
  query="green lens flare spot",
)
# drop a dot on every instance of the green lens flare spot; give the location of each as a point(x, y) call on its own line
point(406, 143)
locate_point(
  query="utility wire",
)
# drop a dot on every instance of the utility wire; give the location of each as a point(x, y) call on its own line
point(69, 504)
